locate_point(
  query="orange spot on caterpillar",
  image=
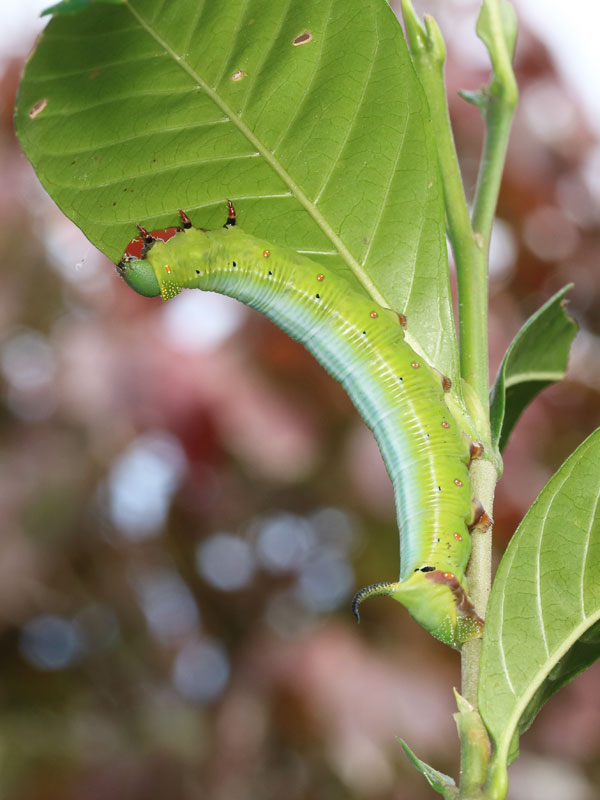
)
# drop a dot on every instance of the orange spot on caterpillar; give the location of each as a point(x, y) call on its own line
point(266, 253)
point(458, 537)
point(402, 320)
point(458, 482)
point(320, 277)
point(449, 576)
point(415, 364)
point(445, 424)
point(373, 315)
point(168, 269)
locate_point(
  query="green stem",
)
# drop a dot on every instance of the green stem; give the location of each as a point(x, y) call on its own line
point(470, 239)
point(428, 52)
point(497, 28)
point(479, 572)
point(498, 122)
point(474, 751)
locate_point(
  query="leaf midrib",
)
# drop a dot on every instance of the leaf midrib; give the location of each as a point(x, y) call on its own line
point(533, 375)
point(302, 198)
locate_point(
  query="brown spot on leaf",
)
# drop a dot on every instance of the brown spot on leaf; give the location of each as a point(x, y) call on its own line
point(38, 108)
point(304, 38)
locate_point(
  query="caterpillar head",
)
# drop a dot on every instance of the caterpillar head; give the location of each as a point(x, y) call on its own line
point(135, 269)
point(139, 275)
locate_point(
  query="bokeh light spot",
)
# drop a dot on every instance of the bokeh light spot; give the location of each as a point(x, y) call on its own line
point(284, 542)
point(142, 482)
point(334, 528)
point(549, 234)
point(167, 603)
point(50, 642)
point(503, 251)
point(225, 561)
point(201, 671)
point(201, 320)
point(325, 582)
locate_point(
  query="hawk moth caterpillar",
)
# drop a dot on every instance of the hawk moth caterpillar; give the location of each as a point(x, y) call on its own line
point(400, 397)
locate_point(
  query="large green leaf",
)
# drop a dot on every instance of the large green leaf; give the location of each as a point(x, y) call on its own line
point(74, 6)
point(307, 114)
point(542, 626)
point(536, 358)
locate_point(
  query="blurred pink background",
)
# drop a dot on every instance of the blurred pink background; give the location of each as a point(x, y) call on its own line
point(189, 502)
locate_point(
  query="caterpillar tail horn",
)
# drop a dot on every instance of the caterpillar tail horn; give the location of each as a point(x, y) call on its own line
point(437, 600)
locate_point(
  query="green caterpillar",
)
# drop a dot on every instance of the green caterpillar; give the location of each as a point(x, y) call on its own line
point(400, 397)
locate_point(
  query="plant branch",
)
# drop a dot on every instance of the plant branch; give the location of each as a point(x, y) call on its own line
point(470, 239)
point(484, 478)
point(496, 27)
point(428, 52)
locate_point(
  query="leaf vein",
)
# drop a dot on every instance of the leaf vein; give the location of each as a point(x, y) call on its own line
point(193, 27)
point(119, 101)
point(501, 633)
point(266, 54)
point(123, 62)
point(287, 129)
point(232, 40)
point(158, 171)
point(533, 375)
point(123, 140)
point(586, 552)
point(351, 126)
point(393, 171)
